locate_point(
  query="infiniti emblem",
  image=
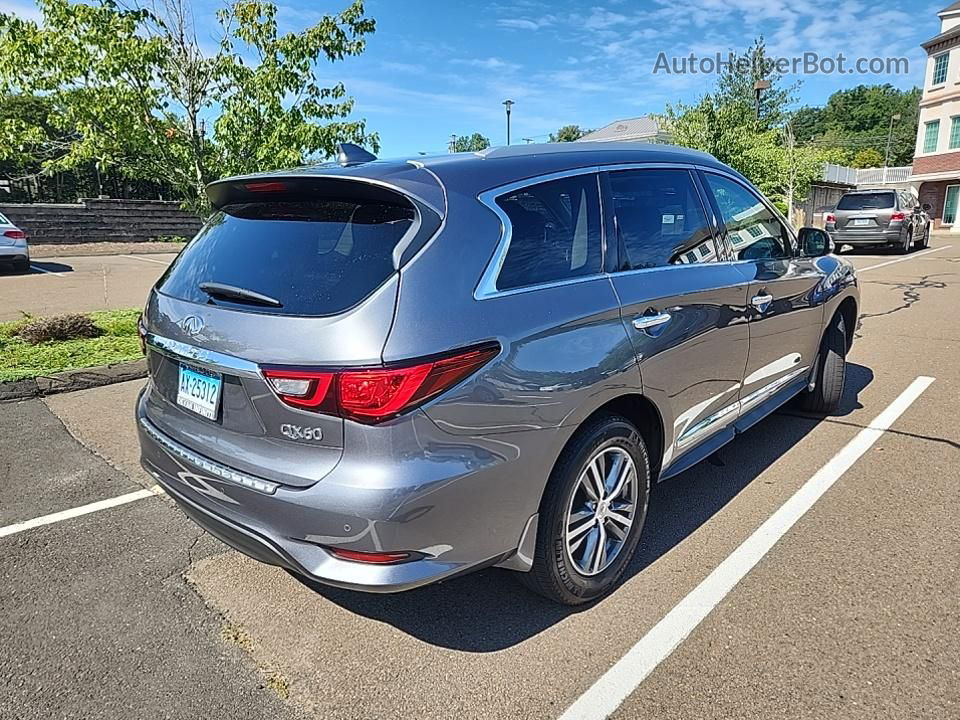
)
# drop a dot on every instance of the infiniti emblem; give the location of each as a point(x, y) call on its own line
point(191, 324)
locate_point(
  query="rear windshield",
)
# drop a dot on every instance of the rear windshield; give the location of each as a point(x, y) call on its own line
point(316, 257)
point(866, 201)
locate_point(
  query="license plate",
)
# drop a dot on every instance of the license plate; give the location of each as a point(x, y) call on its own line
point(861, 221)
point(199, 392)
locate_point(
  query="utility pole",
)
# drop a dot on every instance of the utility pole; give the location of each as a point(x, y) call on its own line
point(508, 104)
point(886, 157)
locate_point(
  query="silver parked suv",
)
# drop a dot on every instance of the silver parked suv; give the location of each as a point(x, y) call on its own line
point(891, 218)
point(381, 374)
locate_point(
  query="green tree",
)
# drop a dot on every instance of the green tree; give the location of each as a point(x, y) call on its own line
point(130, 89)
point(568, 133)
point(867, 158)
point(470, 143)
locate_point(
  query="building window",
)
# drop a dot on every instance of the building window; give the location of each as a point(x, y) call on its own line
point(950, 205)
point(930, 136)
point(940, 68)
point(955, 132)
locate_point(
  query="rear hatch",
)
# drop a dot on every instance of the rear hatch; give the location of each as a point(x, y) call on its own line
point(288, 273)
point(866, 211)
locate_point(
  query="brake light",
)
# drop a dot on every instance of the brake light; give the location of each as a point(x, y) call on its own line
point(898, 216)
point(373, 558)
point(830, 218)
point(372, 395)
point(15, 234)
point(265, 187)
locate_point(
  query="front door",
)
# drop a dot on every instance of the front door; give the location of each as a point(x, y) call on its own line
point(684, 311)
point(786, 318)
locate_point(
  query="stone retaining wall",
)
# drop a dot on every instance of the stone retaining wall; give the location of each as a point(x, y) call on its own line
point(101, 220)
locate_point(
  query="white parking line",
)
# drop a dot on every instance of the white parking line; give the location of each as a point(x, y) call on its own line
point(904, 259)
point(614, 686)
point(78, 511)
point(44, 270)
point(146, 259)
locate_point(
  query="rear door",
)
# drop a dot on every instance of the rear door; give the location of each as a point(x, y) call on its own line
point(683, 310)
point(785, 316)
point(280, 276)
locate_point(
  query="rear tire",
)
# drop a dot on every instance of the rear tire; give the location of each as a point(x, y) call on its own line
point(21, 266)
point(831, 371)
point(904, 248)
point(568, 566)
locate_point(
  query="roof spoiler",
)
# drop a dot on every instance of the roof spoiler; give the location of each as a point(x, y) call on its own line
point(348, 153)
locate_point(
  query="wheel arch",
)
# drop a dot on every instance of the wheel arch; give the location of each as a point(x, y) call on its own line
point(848, 309)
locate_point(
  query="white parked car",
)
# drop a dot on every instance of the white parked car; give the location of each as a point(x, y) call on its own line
point(13, 246)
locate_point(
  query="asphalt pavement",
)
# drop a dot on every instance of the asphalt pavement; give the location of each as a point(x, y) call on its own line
point(132, 612)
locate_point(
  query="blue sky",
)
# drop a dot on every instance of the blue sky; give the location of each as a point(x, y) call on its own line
point(435, 68)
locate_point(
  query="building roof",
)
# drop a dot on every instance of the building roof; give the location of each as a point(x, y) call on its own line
point(950, 8)
point(637, 128)
point(951, 34)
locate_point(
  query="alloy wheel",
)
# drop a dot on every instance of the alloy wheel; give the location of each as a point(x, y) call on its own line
point(601, 511)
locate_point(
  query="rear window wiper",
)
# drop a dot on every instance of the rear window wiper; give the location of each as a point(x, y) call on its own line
point(231, 292)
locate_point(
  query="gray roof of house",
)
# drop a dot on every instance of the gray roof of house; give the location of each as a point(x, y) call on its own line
point(629, 129)
point(954, 6)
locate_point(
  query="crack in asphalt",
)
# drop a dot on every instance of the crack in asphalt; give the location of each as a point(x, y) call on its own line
point(911, 295)
point(889, 431)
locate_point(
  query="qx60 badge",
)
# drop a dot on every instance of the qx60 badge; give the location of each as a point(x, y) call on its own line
point(295, 432)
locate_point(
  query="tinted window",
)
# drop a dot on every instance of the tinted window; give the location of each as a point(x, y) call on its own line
point(555, 232)
point(316, 257)
point(866, 201)
point(753, 230)
point(660, 219)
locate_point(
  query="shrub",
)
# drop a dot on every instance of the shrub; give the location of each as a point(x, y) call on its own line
point(59, 327)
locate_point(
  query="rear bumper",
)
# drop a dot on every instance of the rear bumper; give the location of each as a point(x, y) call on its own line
point(14, 253)
point(855, 237)
point(454, 521)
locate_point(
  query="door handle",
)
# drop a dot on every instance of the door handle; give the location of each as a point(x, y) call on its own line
point(646, 322)
point(761, 302)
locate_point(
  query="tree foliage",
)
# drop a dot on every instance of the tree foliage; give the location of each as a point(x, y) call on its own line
point(726, 124)
point(860, 119)
point(470, 143)
point(131, 89)
point(568, 133)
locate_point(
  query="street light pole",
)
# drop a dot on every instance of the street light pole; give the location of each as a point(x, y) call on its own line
point(508, 104)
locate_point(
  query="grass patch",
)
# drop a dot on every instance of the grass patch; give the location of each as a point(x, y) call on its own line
point(119, 343)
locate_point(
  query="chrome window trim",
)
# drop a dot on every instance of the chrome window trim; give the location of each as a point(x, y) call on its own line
point(487, 287)
point(201, 356)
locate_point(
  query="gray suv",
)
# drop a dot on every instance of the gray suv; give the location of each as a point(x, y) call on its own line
point(889, 218)
point(381, 374)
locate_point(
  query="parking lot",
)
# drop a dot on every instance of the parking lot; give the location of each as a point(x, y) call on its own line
point(80, 284)
point(132, 611)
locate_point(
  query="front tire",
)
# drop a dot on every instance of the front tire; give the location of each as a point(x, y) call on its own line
point(592, 513)
point(831, 371)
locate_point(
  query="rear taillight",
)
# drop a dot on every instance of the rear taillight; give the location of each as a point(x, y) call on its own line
point(898, 216)
point(830, 218)
point(15, 234)
point(372, 395)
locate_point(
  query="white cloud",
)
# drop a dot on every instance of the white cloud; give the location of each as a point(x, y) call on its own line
point(490, 63)
point(526, 23)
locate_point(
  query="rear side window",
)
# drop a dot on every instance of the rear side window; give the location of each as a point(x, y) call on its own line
point(866, 201)
point(555, 232)
point(317, 257)
point(660, 219)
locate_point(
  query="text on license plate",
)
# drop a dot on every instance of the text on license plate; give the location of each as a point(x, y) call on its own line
point(199, 392)
point(861, 221)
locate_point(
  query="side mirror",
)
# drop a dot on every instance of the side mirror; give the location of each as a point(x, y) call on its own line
point(815, 242)
point(927, 207)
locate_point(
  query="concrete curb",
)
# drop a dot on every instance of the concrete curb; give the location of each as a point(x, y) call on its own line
point(72, 380)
